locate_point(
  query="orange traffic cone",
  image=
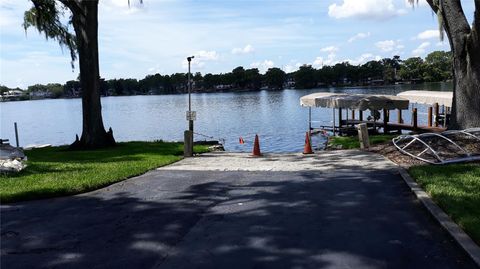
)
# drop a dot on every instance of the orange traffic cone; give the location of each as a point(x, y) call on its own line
point(256, 147)
point(308, 147)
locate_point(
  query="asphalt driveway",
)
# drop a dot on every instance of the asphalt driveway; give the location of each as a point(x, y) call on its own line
point(331, 210)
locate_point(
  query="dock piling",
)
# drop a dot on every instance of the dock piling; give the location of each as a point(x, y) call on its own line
point(385, 121)
point(340, 121)
point(399, 116)
point(414, 118)
point(430, 116)
point(16, 134)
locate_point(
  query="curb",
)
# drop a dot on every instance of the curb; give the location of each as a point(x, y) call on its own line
point(472, 249)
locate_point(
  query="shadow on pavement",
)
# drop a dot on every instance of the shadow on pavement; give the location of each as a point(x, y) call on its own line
point(193, 219)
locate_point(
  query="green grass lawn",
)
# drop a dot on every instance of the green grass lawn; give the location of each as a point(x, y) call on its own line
point(56, 171)
point(351, 142)
point(456, 189)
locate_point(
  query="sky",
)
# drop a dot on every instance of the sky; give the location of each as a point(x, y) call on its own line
point(158, 35)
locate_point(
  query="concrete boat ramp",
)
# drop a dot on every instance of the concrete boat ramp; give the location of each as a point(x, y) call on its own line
point(344, 209)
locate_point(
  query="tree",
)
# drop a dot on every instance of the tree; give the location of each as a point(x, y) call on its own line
point(239, 77)
point(47, 17)
point(438, 66)
point(253, 78)
point(274, 78)
point(464, 42)
point(412, 68)
point(305, 77)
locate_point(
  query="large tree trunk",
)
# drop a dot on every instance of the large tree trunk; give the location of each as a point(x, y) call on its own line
point(465, 44)
point(466, 101)
point(85, 22)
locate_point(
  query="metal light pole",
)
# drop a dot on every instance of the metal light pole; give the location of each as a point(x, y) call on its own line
point(188, 135)
point(190, 122)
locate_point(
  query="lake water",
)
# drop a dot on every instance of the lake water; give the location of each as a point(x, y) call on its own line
point(276, 116)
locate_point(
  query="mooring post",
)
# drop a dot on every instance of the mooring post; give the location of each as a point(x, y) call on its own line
point(310, 121)
point(16, 134)
point(436, 108)
point(333, 124)
point(430, 115)
point(414, 118)
point(385, 121)
point(339, 121)
point(363, 136)
point(399, 116)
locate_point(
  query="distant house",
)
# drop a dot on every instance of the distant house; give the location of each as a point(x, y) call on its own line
point(12, 95)
point(290, 83)
point(374, 82)
point(40, 94)
point(223, 87)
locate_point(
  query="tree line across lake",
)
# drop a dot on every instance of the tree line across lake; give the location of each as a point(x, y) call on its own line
point(437, 66)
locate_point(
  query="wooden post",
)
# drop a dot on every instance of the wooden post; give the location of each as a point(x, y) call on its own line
point(414, 118)
point(339, 121)
point(360, 115)
point(353, 114)
point(333, 124)
point(399, 116)
point(385, 121)
point(310, 120)
point(430, 115)
point(363, 136)
point(436, 108)
point(16, 133)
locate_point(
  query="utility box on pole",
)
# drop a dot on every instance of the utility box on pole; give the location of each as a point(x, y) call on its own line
point(188, 143)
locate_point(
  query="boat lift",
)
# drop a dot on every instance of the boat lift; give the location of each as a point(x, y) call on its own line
point(441, 148)
point(353, 102)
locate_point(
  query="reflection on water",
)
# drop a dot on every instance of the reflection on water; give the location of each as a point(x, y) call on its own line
point(275, 115)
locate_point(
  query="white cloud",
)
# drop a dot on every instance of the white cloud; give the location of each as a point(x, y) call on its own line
point(386, 45)
point(358, 36)
point(9, 14)
point(245, 50)
point(292, 66)
point(365, 9)
point(38, 64)
point(262, 66)
point(320, 61)
point(122, 6)
point(421, 3)
point(429, 34)
point(329, 60)
point(207, 55)
point(330, 49)
point(201, 57)
point(420, 50)
point(363, 59)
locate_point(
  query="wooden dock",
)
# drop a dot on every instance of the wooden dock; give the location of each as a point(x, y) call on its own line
point(391, 126)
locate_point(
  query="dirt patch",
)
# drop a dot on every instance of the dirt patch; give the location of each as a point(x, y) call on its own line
point(392, 153)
